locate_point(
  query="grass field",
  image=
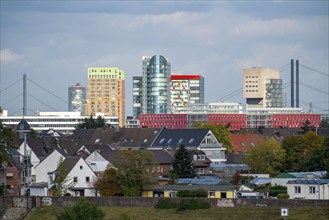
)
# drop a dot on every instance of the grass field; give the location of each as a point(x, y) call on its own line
point(138, 213)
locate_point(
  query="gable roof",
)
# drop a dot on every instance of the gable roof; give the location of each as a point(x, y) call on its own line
point(161, 156)
point(316, 174)
point(124, 137)
point(241, 141)
point(309, 181)
point(69, 162)
point(173, 138)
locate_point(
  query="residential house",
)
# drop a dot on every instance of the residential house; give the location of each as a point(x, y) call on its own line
point(79, 177)
point(163, 160)
point(11, 172)
point(201, 163)
point(193, 139)
point(50, 163)
point(98, 160)
point(308, 189)
point(214, 191)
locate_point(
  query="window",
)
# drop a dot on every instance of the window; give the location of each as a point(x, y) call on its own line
point(81, 167)
point(211, 193)
point(87, 179)
point(312, 189)
point(75, 179)
point(297, 189)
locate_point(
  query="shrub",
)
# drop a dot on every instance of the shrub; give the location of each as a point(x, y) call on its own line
point(282, 196)
point(192, 193)
point(275, 190)
point(82, 210)
point(165, 204)
point(192, 204)
point(184, 193)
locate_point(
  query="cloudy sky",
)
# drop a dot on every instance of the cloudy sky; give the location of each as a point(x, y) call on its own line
point(54, 42)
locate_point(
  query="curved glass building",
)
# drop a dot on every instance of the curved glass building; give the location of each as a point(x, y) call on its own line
point(156, 86)
point(76, 98)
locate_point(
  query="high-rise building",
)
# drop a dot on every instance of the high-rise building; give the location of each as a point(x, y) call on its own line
point(137, 96)
point(262, 88)
point(185, 89)
point(76, 98)
point(106, 92)
point(155, 85)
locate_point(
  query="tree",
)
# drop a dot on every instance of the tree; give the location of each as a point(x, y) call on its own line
point(318, 160)
point(134, 168)
point(306, 127)
point(7, 136)
point(182, 164)
point(266, 157)
point(298, 150)
point(61, 182)
point(82, 210)
point(91, 123)
point(108, 183)
point(221, 132)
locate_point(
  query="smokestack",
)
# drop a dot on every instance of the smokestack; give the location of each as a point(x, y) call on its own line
point(292, 82)
point(297, 83)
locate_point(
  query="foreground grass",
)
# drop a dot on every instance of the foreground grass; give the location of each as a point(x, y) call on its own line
point(138, 213)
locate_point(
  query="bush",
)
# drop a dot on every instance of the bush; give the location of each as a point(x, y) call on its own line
point(82, 210)
point(192, 193)
point(200, 193)
point(165, 204)
point(282, 196)
point(275, 190)
point(192, 204)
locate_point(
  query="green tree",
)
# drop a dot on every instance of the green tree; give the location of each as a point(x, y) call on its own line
point(221, 132)
point(299, 149)
point(318, 160)
point(108, 183)
point(182, 164)
point(91, 123)
point(82, 210)
point(61, 182)
point(7, 136)
point(265, 157)
point(306, 127)
point(135, 171)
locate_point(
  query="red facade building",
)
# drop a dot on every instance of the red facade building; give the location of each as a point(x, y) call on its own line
point(236, 121)
point(295, 120)
point(173, 121)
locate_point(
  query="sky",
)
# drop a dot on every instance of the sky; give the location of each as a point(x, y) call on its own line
point(54, 42)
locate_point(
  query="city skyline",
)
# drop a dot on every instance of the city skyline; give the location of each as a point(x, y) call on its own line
point(52, 41)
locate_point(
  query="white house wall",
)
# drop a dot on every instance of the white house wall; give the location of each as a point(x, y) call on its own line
point(321, 191)
point(81, 174)
point(34, 159)
point(49, 164)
